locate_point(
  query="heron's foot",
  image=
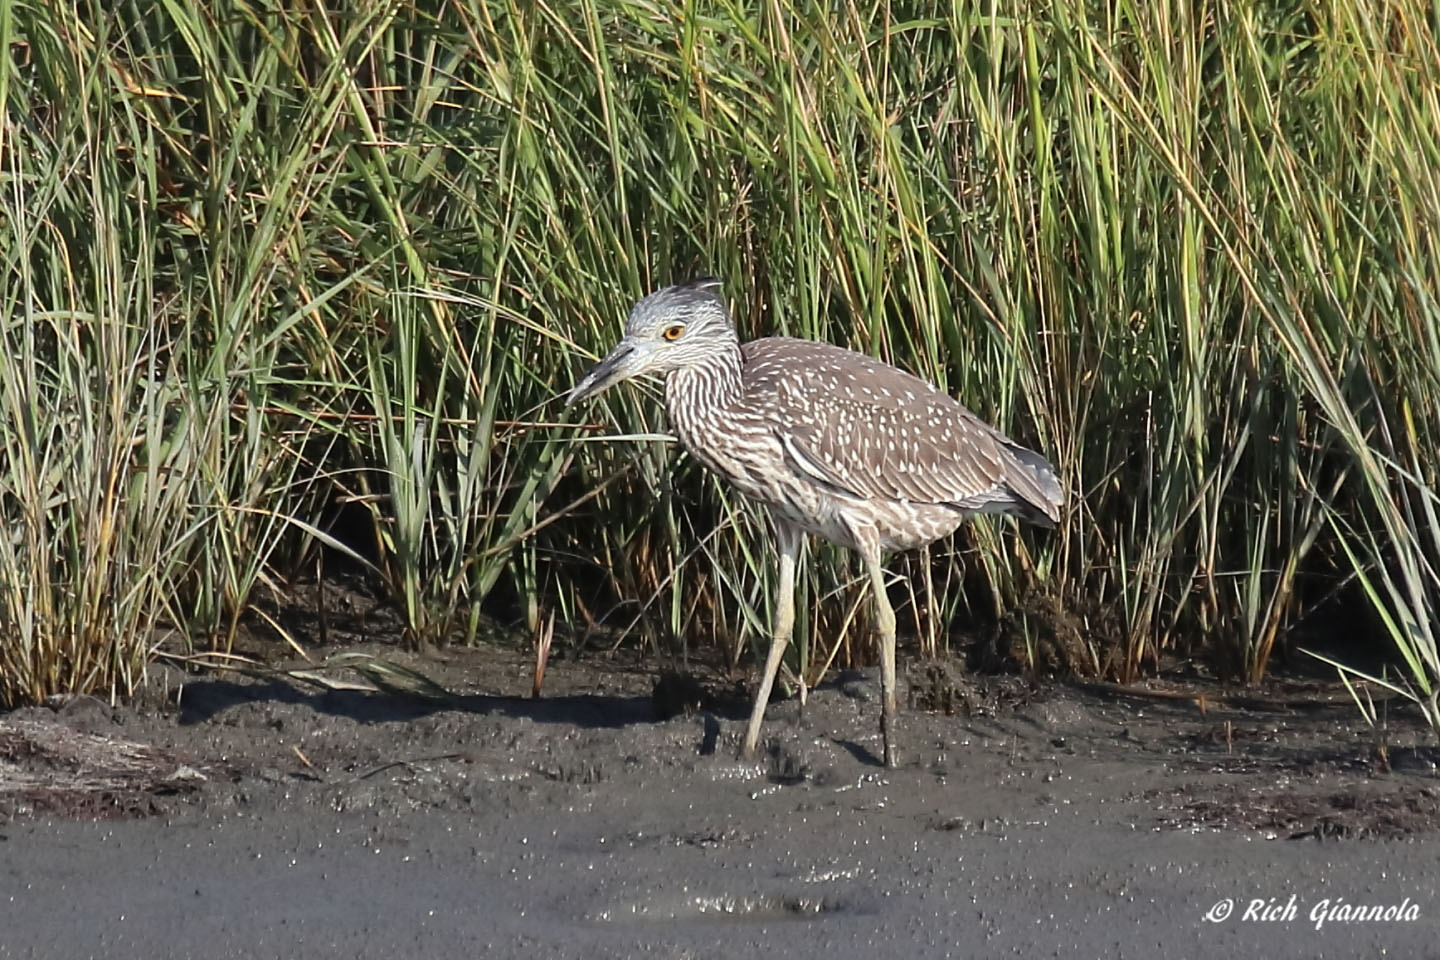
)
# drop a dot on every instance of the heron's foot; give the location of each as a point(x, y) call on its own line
point(887, 738)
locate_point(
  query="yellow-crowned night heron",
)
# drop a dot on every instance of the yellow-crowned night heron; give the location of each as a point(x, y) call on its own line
point(835, 443)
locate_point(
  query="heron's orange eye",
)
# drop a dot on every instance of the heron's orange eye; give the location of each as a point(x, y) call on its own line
point(673, 332)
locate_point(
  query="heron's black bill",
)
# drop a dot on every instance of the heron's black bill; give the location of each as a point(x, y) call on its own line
point(602, 376)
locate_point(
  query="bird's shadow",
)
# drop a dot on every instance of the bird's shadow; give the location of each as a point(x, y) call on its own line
point(862, 754)
point(205, 700)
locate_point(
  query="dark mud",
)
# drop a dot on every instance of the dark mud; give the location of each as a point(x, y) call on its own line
point(253, 816)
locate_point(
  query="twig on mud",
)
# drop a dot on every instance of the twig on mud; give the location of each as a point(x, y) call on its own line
point(303, 759)
point(411, 762)
point(1115, 690)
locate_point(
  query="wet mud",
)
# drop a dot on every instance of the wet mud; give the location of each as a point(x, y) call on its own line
point(233, 815)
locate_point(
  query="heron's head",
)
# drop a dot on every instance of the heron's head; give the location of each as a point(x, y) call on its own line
point(671, 328)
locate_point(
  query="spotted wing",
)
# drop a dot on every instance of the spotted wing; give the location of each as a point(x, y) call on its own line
point(868, 430)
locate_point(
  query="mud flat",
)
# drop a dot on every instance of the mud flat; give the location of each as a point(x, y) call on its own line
point(243, 817)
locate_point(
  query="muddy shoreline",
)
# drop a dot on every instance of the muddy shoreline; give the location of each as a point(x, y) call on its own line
point(248, 816)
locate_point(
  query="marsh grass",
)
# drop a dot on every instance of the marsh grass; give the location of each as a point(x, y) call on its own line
point(264, 269)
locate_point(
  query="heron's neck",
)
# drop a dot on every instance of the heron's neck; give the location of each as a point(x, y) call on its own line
point(702, 389)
